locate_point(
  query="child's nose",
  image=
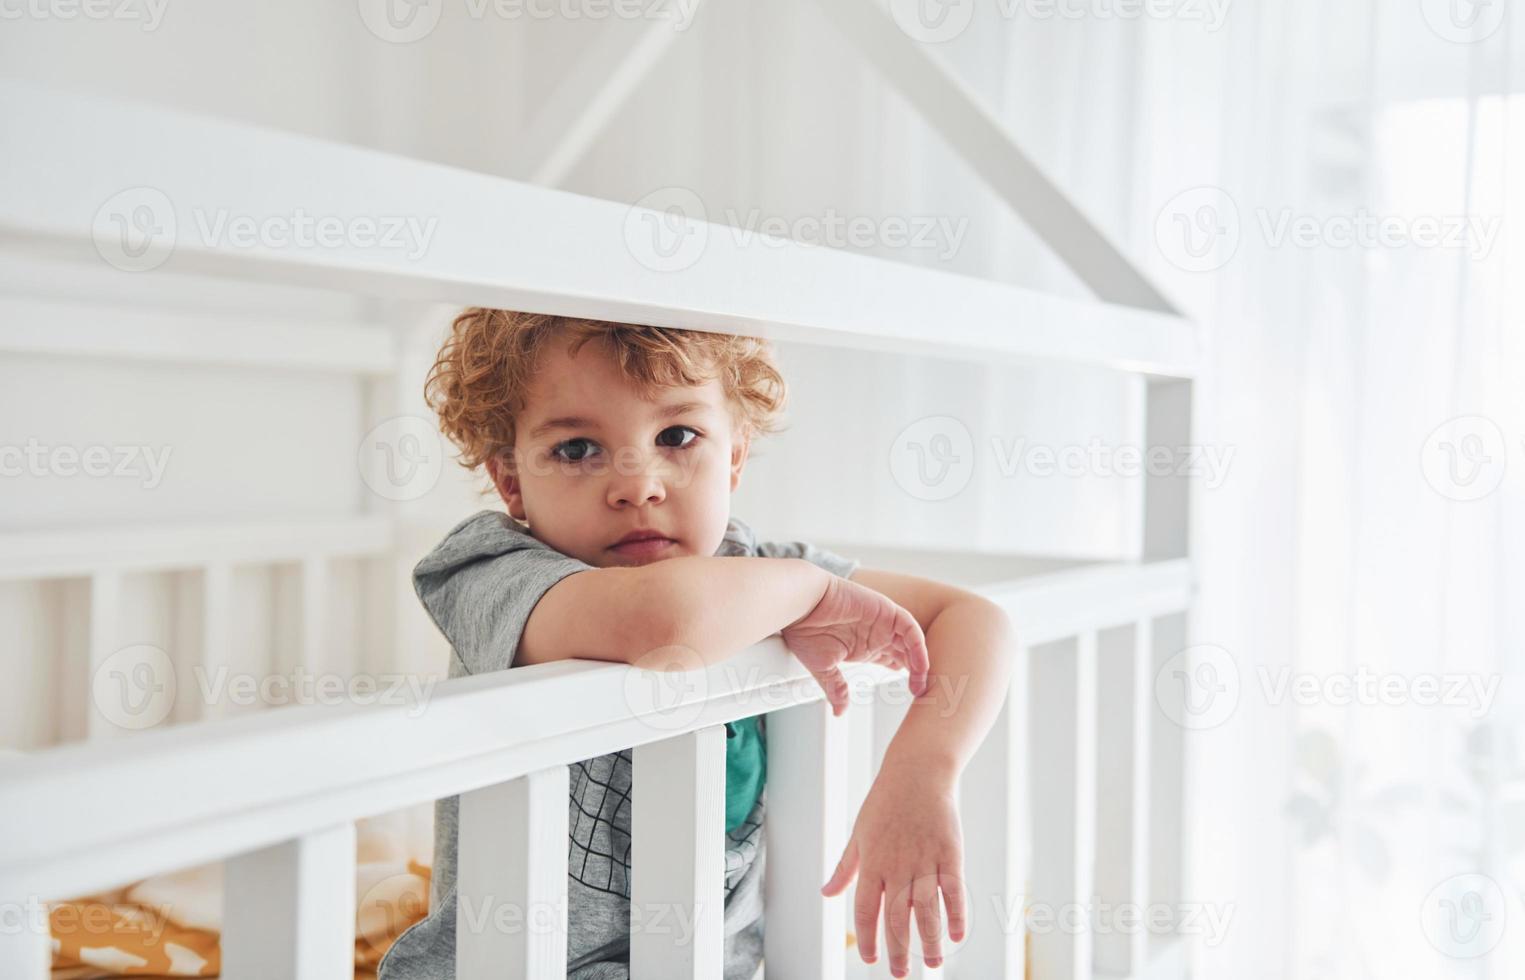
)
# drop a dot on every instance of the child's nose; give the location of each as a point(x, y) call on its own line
point(638, 488)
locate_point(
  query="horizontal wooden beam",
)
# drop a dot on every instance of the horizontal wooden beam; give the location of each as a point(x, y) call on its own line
point(90, 330)
point(64, 554)
point(204, 196)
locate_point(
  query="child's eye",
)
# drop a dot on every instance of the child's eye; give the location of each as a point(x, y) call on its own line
point(576, 457)
point(678, 429)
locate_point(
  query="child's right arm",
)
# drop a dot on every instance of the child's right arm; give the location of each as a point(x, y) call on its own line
point(711, 605)
point(718, 606)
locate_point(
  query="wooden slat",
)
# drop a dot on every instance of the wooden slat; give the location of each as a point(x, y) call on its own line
point(511, 879)
point(25, 942)
point(216, 633)
point(1167, 495)
point(108, 698)
point(59, 554)
point(1125, 696)
point(1063, 680)
point(994, 801)
point(677, 858)
point(1167, 778)
point(289, 909)
point(315, 645)
point(806, 828)
point(86, 330)
point(561, 253)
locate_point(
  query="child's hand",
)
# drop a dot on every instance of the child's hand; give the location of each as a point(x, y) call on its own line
point(908, 844)
point(855, 624)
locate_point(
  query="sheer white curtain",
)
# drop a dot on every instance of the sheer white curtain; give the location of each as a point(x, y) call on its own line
point(1362, 808)
point(1352, 177)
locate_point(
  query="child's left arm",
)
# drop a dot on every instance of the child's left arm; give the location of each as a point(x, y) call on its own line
point(907, 841)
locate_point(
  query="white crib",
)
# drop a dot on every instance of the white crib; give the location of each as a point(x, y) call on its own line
point(1074, 799)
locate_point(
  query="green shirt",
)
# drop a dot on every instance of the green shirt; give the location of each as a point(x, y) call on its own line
point(746, 769)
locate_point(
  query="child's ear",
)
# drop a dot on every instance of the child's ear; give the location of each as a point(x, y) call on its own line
point(500, 469)
point(740, 446)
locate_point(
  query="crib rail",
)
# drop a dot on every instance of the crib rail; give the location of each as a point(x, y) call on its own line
point(274, 791)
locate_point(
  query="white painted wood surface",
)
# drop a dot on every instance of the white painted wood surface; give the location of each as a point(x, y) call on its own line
point(105, 639)
point(994, 800)
point(591, 93)
point(1063, 770)
point(806, 826)
point(34, 326)
point(587, 258)
point(59, 554)
point(289, 909)
point(511, 879)
point(947, 105)
point(1125, 697)
point(26, 951)
point(677, 857)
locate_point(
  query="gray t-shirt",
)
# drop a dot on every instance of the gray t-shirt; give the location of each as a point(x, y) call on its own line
point(479, 585)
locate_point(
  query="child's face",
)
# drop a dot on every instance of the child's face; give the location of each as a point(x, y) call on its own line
point(625, 465)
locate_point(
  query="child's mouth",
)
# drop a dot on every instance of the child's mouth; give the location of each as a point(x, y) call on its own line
point(644, 547)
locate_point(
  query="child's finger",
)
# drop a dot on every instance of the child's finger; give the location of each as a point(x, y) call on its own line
point(953, 901)
point(911, 649)
point(834, 685)
point(897, 926)
point(847, 867)
point(866, 917)
point(929, 924)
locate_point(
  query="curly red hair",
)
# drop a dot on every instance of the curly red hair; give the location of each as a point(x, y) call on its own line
point(480, 377)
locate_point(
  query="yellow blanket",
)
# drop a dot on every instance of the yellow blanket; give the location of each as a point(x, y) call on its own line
point(169, 925)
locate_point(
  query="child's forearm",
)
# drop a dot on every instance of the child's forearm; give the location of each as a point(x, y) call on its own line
point(972, 648)
point(717, 607)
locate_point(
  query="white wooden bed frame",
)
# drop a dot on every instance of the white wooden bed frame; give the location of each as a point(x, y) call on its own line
point(1078, 791)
